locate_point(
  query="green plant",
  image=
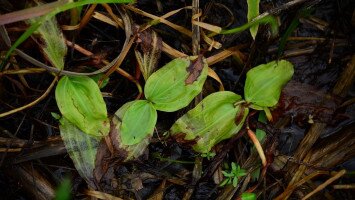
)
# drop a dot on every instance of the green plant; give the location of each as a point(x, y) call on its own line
point(63, 190)
point(232, 176)
point(208, 155)
point(222, 114)
point(85, 122)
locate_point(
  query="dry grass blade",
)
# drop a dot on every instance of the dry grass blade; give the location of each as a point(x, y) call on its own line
point(101, 195)
point(171, 51)
point(210, 41)
point(210, 27)
point(213, 74)
point(325, 184)
point(86, 18)
point(44, 95)
point(225, 54)
point(106, 19)
point(23, 71)
point(288, 191)
point(181, 29)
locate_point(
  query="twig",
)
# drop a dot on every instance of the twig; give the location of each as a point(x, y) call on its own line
point(195, 28)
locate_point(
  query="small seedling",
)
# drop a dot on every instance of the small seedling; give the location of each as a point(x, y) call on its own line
point(233, 175)
point(208, 155)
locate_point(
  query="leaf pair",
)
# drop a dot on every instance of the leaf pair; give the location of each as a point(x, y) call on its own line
point(221, 115)
point(170, 88)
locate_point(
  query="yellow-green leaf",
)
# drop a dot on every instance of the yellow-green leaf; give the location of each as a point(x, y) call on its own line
point(264, 83)
point(138, 122)
point(130, 151)
point(214, 119)
point(80, 101)
point(176, 84)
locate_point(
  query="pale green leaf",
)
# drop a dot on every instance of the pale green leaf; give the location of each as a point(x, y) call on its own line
point(211, 121)
point(253, 11)
point(130, 151)
point(81, 147)
point(80, 101)
point(174, 86)
point(264, 83)
point(138, 122)
point(54, 46)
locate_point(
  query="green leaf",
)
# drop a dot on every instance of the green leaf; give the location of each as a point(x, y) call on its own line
point(138, 122)
point(264, 83)
point(56, 115)
point(63, 190)
point(80, 101)
point(248, 196)
point(176, 84)
point(224, 182)
point(81, 147)
point(234, 166)
point(253, 11)
point(235, 181)
point(54, 46)
point(260, 134)
point(129, 151)
point(214, 119)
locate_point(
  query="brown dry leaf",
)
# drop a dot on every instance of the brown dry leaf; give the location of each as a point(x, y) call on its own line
point(303, 101)
point(194, 70)
point(151, 45)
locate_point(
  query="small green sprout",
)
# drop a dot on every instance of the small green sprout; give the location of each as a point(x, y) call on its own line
point(248, 196)
point(208, 155)
point(233, 175)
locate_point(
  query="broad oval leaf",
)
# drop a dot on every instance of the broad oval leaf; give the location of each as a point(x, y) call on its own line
point(214, 119)
point(176, 84)
point(80, 101)
point(82, 149)
point(126, 152)
point(264, 83)
point(138, 121)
